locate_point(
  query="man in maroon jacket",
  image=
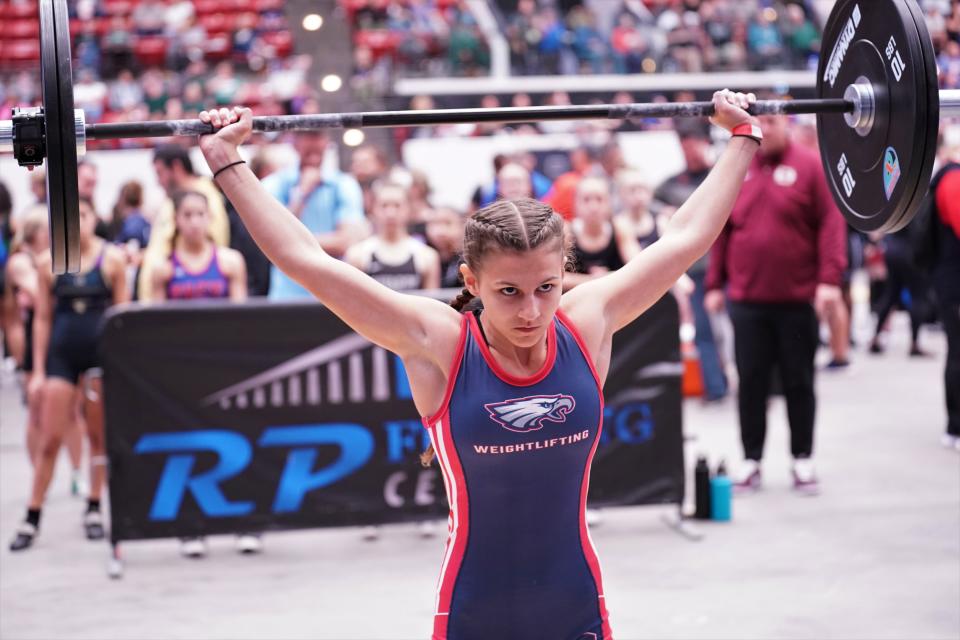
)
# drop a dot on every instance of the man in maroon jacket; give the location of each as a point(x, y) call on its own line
point(780, 259)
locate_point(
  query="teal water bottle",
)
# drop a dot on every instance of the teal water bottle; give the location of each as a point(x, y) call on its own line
point(721, 495)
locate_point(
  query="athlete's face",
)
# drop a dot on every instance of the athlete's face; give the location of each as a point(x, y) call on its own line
point(193, 219)
point(520, 291)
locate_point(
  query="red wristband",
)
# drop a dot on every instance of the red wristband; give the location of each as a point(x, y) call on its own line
point(748, 130)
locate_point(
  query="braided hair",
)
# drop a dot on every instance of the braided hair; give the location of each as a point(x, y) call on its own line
point(505, 225)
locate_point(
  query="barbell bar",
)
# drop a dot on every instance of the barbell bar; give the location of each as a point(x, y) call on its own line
point(878, 108)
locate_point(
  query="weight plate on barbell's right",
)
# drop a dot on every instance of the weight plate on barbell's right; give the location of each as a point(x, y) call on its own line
point(875, 176)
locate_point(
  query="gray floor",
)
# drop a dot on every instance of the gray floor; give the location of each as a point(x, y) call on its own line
point(876, 556)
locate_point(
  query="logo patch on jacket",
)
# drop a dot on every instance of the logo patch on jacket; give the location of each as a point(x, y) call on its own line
point(528, 414)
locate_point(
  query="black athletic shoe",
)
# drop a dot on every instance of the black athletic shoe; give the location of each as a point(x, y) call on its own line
point(26, 532)
point(93, 525)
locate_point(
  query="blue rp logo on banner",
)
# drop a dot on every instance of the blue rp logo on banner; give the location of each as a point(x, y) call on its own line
point(891, 171)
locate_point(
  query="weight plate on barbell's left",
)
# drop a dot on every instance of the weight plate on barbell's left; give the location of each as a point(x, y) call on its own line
point(61, 141)
point(875, 175)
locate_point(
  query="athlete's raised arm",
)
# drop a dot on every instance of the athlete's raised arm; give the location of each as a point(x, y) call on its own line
point(410, 326)
point(602, 306)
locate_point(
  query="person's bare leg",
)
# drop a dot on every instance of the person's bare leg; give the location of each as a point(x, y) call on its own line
point(93, 412)
point(55, 414)
point(34, 428)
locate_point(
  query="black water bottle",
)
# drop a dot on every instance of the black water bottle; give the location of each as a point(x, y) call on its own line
point(701, 487)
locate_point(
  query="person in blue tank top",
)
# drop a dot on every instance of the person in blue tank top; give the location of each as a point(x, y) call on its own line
point(196, 267)
point(68, 312)
point(511, 397)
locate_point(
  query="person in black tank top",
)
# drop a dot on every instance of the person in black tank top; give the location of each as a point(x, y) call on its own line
point(601, 244)
point(391, 256)
point(69, 310)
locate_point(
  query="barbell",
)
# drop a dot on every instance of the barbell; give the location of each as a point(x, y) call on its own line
point(878, 111)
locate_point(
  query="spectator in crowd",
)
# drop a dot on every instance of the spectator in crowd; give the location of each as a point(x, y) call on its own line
point(38, 187)
point(601, 243)
point(128, 227)
point(117, 48)
point(903, 275)
point(418, 194)
point(390, 256)
point(802, 36)
point(174, 171)
point(445, 234)
point(196, 268)
point(149, 17)
point(779, 259)
point(562, 196)
point(635, 198)
point(695, 146)
point(328, 202)
point(124, 92)
point(368, 164)
point(69, 310)
point(946, 279)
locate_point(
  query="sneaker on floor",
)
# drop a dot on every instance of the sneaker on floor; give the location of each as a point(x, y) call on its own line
point(93, 525)
point(876, 348)
point(950, 441)
point(837, 365)
point(193, 547)
point(370, 533)
point(917, 352)
point(26, 532)
point(804, 478)
point(249, 543)
point(748, 478)
point(427, 529)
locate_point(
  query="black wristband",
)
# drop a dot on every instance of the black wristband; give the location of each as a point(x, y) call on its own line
point(225, 167)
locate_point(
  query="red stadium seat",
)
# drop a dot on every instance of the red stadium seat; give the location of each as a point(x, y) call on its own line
point(217, 22)
point(119, 7)
point(19, 10)
point(152, 51)
point(218, 47)
point(281, 41)
point(22, 28)
point(206, 7)
point(21, 50)
point(379, 41)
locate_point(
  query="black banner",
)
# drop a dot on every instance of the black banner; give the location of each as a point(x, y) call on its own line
point(225, 418)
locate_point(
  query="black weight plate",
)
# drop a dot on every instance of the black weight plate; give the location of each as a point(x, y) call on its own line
point(50, 80)
point(873, 178)
point(68, 134)
point(57, 80)
point(930, 132)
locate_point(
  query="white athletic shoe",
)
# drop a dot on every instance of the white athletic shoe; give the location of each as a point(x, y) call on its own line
point(804, 478)
point(950, 442)
point(747, 478)
point(249, 543)
point(370, 533)
point(193, 547)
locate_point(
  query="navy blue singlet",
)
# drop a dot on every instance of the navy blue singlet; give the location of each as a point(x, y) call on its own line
point(515, 455)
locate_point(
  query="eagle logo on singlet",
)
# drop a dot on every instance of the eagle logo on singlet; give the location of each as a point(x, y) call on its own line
point(528, 414)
